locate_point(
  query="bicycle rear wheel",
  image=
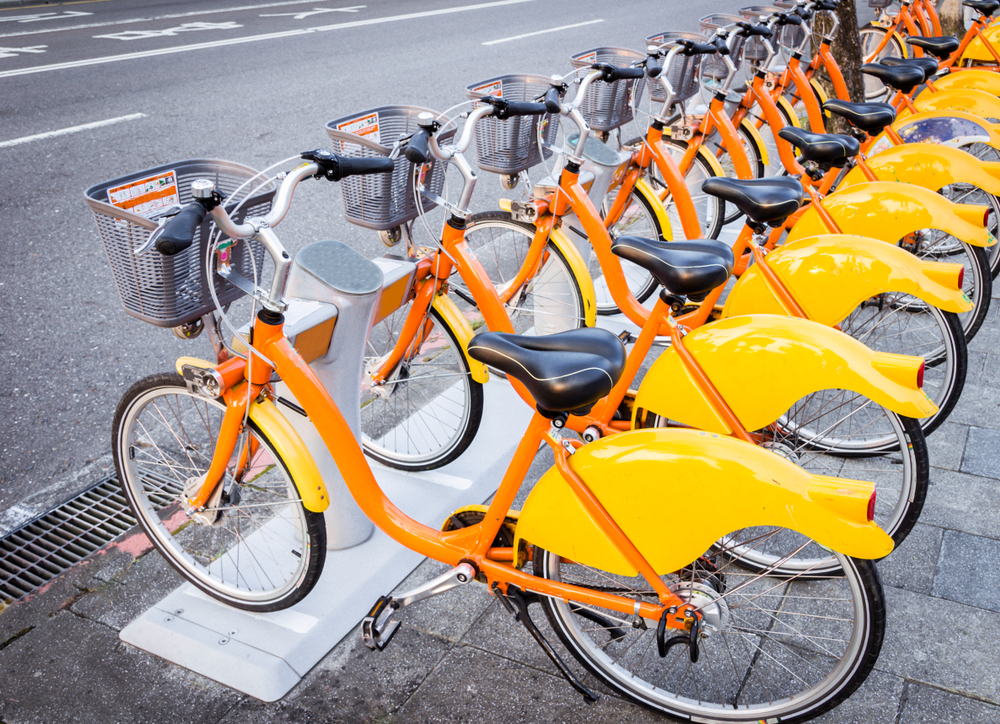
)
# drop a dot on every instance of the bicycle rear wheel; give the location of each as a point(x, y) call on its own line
point(265, 550)
point(428, 410)
point(771, 648)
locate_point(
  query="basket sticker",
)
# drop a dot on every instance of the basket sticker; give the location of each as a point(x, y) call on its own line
point(366, 127)
point(145, 196)
point(588, 58)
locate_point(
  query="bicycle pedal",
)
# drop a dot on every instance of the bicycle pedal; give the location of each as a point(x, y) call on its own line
point(378, 628)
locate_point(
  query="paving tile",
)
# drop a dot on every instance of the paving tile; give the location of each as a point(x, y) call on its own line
point(982, 453)
point(950, 646)
point(874, 702)
point(963, 502)
point(980, 405)
point(123, 598)
point(987, 338)
point(978, 362)
point(946, 445)
point(74, 670)
point(498, 633)
point(353, 684)
point(967, 570)
point(927, 705)
point(912, 564)
point(990, 371)
point(471, 685)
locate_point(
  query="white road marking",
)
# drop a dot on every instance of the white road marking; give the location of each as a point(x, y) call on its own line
point(172, 16)
point(12, 52)
point(74, 129)
point(314, 11)
point(42, 16)
point(247, 39)
point(542, 32)
point(169, 32)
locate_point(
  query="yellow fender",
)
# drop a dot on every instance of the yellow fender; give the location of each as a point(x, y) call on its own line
point(463, 333)
point(820, 92)
point(790, 113)
point(950, 127)
point(581, 272)
point(287, 442)
point(891, 211)
point(643, 188)
point(754, 134)
point(969, 100)
point(746, 486)
point(808, 356)
point(984, 80)
point(929, 165)
point(975, 50)
point(830, 275)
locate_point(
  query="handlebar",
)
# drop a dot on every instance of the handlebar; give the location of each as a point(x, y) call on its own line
point(611, 73)
point(178, 234)
point(750, 29)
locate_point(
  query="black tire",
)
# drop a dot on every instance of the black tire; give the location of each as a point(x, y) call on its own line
point(903, 324)
point(684, 690)
point(430, 408)
point(162, 436)
point(550, 302)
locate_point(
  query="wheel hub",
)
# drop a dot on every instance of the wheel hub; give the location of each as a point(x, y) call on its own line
point(712, 606)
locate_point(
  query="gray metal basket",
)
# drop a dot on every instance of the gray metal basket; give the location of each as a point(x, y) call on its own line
point(714, 67)
point(609, 105)
point(511, 146)
point(788, 36)
point(167, 291)
point(683, 70)
point(383, 201)
point(880, 4)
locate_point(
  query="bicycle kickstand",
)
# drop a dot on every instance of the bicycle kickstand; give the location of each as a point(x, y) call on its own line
point(515, 599)
point(378, 628)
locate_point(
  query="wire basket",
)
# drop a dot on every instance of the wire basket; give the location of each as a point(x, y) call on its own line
point(683, 71)
point(714, 67)
point(609, 105)
point(880, 4)
point(511, 146)
point(168, 291)
point(785, 36)
point(384, 201)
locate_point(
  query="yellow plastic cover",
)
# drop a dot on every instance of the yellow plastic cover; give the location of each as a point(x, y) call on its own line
point(798, 356)
point(642, 477)
point(891, 211)
point(830, 275)
point(929, 165)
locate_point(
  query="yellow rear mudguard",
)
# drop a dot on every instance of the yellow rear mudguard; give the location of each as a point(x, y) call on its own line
point(892, 211)
point(949, 128)
point(984, 80)
point(580, 273)
point(801, 357)
point(462, 330)
point(979, 103)
point(976, 50)
point(930, 166)
point(286, 441)
point(737, 485)
point(830, 275)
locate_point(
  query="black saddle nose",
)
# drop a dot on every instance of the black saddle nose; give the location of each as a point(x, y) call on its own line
point(902, 78)
point(828, 149)
point(869, 117)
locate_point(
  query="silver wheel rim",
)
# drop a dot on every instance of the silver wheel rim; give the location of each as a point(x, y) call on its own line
point(168, 435)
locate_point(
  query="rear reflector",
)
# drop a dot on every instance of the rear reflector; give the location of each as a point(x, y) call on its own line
point(920, 374)
point(871, 507)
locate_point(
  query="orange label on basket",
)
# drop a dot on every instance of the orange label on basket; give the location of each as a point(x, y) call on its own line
point(588, 58)
point(145, 196)
point(366, 127)
point(494, 88)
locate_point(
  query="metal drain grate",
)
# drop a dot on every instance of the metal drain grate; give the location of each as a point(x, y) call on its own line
point(41, 549)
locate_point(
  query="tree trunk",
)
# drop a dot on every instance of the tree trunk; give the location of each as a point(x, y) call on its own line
point(952, 17)
point(846, 50)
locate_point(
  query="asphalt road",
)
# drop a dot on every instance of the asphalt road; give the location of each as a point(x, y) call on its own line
point(253, 82)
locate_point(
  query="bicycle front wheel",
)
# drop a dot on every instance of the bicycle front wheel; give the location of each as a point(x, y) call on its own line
point(711, 210)
point(550, 301)
point(427, 410)
point(771, 648)
point(637, 219)
point(262, 550)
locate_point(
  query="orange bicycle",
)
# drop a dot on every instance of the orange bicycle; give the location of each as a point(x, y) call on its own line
point(668, 616)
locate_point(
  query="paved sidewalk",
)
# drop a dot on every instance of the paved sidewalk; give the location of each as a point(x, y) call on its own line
point(460, 657)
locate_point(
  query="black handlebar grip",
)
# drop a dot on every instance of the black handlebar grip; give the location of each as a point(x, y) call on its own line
point(653, 66)
point(827, 4)
point(789, 19)
point(552, 100)
point(693, 48)
point(749, 29)
point(365, 166)
point(721, 46)
point(525, 108)
point(416, 149)
point(628, 73)
point(178, 234)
